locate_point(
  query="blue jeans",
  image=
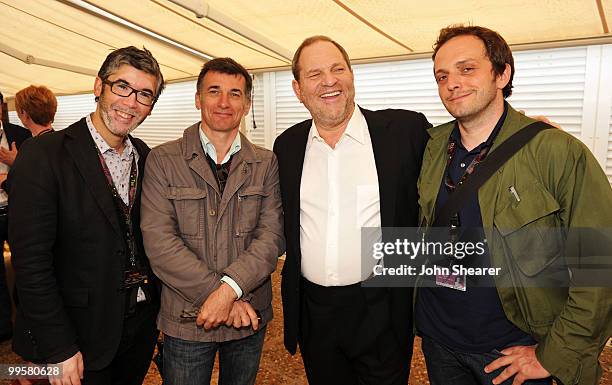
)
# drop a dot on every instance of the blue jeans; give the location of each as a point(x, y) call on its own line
point(191, 362)
point(448, 366)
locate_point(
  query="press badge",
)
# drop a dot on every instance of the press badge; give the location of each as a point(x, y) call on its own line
point(452, 281)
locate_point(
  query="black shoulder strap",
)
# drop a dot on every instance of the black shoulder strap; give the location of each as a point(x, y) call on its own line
point(485, 170)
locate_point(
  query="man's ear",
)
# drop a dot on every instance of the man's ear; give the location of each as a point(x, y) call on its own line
point(296, 90)
point(248, 104)
point(197, 101)
point(98, 85)
point(504, 77)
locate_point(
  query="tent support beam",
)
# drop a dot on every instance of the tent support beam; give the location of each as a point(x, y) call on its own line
point(87, 7)
point(30, 59)
point(372, 26)
point(602, 16)
point(202, 9)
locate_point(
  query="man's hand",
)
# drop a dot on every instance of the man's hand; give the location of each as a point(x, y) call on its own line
point(8, 156)
point(72, 371)
point(241, 315)
point(521, 362)
point(542, 118)
point(217, 306)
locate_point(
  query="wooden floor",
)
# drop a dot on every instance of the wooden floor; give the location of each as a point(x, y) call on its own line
point(279, 368)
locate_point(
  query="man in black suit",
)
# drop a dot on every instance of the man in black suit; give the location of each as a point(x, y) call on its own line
point(87, 297)
point(11, 137)
point(346, 169)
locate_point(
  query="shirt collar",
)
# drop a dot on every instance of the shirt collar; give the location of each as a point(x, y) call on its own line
point(209, 148)
point(101, 143)
point(456, 133)
point(355, 129)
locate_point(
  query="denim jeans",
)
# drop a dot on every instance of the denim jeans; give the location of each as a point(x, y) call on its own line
point(448, 366)
point(191, 362)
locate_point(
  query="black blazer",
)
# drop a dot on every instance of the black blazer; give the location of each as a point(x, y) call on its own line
point(68, 250)
point(15, 133)
point(398, 140)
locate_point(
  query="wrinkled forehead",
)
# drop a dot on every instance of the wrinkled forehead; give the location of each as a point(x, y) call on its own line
point(320, 54)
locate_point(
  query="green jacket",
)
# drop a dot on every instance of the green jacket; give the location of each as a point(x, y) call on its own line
point(561, 186)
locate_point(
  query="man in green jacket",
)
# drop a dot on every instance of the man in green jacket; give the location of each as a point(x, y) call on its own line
point(512, 328)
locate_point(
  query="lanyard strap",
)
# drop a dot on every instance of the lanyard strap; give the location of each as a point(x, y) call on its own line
point(133, 179)
point(497, 158)
point(45, 131)
point(451, 151)
point(125, 209)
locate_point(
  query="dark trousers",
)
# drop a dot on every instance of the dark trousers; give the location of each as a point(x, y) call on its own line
point(346, 337)
point(6, 307)
point(132, 360)
point(449, 366)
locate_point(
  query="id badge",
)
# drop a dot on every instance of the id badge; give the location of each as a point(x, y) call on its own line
point(452, 281)
point(134, 278)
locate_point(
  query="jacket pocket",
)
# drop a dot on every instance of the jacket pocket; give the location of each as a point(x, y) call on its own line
point(530, 230)
point(189, 204)
point(249, 204)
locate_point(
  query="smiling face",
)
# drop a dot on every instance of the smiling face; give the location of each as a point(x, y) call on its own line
point(121, 115)
point(223, 102)
point(326, 85)
point(467, 84)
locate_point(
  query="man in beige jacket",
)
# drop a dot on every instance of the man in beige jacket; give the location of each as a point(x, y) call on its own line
point(212, 228)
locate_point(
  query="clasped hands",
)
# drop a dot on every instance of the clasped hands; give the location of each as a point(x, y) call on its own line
point(222, 308)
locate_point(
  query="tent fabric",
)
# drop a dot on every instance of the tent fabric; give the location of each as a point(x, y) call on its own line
point(70, 32)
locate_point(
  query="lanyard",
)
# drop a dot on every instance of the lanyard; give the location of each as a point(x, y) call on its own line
point(455, 223)
point(45, 131)
point(451, 151)
point(125, 209)
point(133, 178)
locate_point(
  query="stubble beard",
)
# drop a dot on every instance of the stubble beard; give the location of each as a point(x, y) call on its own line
point(109, 123)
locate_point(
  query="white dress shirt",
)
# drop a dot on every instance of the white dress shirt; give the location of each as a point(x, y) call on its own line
point(338, 196)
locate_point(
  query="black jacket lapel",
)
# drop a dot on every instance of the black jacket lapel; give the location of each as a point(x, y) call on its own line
point(384, 147)
point(143, 151)
point(81, 147)
point(293, 177)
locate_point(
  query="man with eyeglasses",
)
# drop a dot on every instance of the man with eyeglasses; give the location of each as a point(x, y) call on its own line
point(212, 228)
point(87, 297)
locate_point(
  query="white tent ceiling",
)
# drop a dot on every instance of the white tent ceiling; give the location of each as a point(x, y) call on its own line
point(61, 43)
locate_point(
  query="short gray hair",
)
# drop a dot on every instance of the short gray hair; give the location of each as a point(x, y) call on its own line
point(141, 59)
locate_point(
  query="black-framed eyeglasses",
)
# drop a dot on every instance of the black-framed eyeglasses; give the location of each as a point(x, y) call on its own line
point(119, 88)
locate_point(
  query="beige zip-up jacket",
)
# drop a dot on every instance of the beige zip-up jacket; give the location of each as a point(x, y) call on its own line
point(194, 236)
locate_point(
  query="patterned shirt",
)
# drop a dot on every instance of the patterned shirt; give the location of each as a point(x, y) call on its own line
point(119, 165)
